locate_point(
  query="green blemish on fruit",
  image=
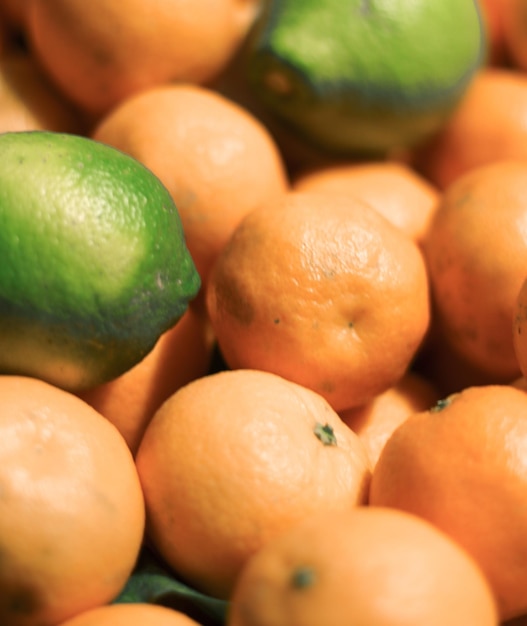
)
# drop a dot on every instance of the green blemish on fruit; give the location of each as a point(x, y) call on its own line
point(326, 434)
point(442, 404)
point(302, 577)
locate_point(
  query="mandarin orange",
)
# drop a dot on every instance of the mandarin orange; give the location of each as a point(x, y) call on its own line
point(476, 254)
point(369, 566)
point(324, 291)
point(488, 125)
point(72, 509)
point(461, 465)
point(393, 188)
point(233, 459)
point(216, 159)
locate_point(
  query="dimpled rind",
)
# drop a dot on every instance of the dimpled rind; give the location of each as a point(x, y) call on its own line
point(94, 263)
point(364, 76)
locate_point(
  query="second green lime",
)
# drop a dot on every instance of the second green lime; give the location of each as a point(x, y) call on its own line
point(94, 265)
point(364, 76)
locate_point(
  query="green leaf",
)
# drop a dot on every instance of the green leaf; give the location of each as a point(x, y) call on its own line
point(153, 582)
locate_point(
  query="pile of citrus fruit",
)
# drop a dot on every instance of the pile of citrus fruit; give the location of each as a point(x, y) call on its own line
point(263, 313)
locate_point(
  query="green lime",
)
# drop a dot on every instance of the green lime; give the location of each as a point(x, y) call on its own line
point(94, 262)
point(364, 76)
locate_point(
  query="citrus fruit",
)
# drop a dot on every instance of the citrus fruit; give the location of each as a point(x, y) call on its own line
point(461, 465)
point(364, 77)
point(476, 254)
point(72, 509)
point(370, 565)
point(397, 191)
point(488, 125)
point(182, 353)
point(324, 291)
point(101, 52)
point(216, 159)
point(95, 263)
point(375, 421)
point(132, 614)
point(234, 458)
point(29, 101)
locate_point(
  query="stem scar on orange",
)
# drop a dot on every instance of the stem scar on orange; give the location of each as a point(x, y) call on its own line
point(324, 291)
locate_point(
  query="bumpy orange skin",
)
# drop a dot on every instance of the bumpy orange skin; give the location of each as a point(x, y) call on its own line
point(323, 291)
point(476, 253)
point(235, 458)
point(462, 467)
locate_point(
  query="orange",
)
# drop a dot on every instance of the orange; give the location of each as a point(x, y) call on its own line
point(140, 614)
point(488, 125)
point(370, 566)
point(29, 101)
point(235, 458)
point(394, 189)
point(72, 509)
point(375, 422)
point(100, 52)
point(476, 253)
point(182, 354)
point(461, 465)
point(324, 291)
point(217, 160)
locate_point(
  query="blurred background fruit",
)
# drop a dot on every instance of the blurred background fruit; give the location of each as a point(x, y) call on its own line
point(394, 189)
point(488, 125)
point(132, 614)
point(371, 565)
point(30, 101)
point(361, 77)
point(100, 52)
